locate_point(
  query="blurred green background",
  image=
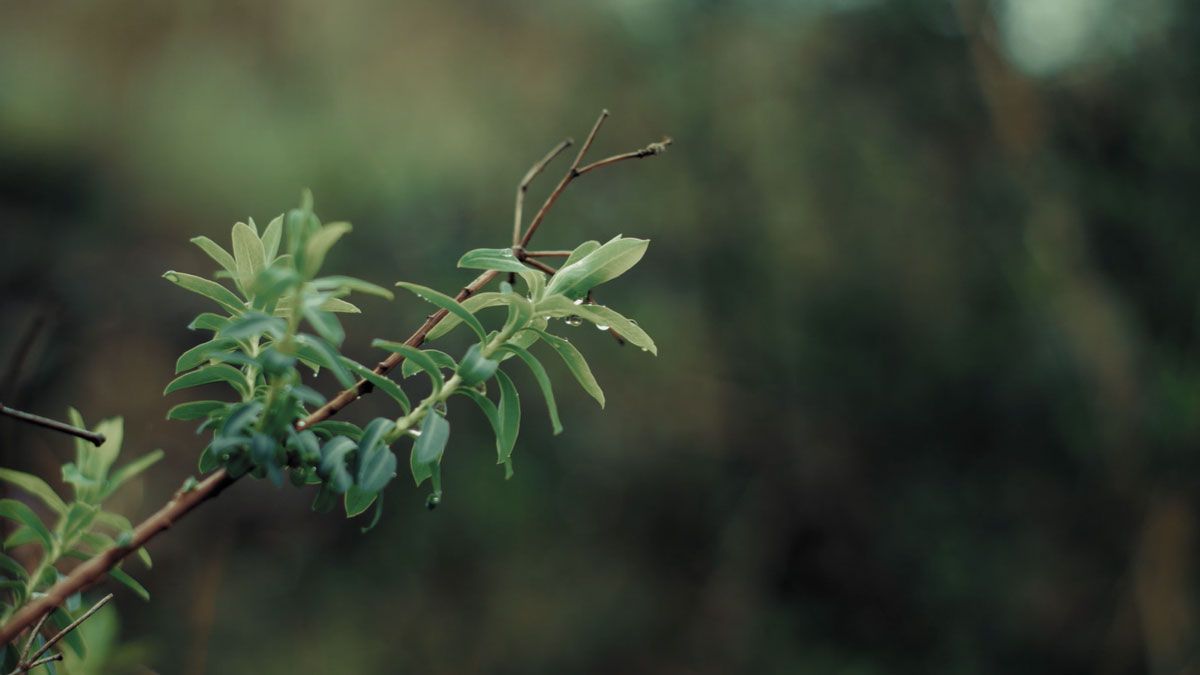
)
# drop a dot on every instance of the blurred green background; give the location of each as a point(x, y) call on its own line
point(924, 279)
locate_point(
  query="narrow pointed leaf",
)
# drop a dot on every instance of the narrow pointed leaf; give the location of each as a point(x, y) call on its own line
point(332, 283)
point(502, 259)
point(36, 487)
point(420, 358)
point(202, 352)
point(129, 582)
point(207, 375)
point(543, 380)
point(603, 264)
point(472, 304)
point(428, 448)
point(18, 512)
point(576, 364)
point(130, 470)
point(270, 238)
point(508, 413)
point(356, 500)
point(194, 410)
point(447, 303)
point(381, 382)
point(214, 251)
point(249, 254)
point(208, 321)
point(209, 289)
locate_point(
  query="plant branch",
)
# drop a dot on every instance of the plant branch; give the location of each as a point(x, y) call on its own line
point(547, 254)
point(537, 264)
point(95, 438)
point(33, 660)
point(523, 186)
point(186, 499)
point(95, 568)
point(648, 151)
point(572, 173)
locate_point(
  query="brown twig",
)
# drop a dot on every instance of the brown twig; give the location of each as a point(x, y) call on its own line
point(33, 661)
point(95, 438)
point(562, 184)
point(185, 500)
point(548, 254)
point(537, 264)
point(523, 186)
point(32, 636)
point(648, 151)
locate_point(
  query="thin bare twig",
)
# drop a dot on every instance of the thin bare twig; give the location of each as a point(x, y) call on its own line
point(33, 636)
point(25, 665)
point(548, 254)
point(648, 151)
point(95, 438)
point(537, 264)
point(523, 186)
point(562, 184)
point(187, 499)
point(44, 660)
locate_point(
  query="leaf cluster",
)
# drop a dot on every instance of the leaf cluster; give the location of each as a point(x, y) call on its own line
point(279, 317)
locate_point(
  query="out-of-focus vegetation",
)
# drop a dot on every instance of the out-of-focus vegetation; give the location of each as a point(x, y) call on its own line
point(924, 282)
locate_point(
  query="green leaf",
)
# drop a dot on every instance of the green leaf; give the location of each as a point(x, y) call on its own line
point(576, 364)
point(356, 500)
point(209, 289)
point(325, 500)
point(326, 325)
point(333, 464)
point(474, 367)
point(253, 324)
point(214, 251)
point(240, 417)
point(316, 351)
point(74, 640)
point(208, 321)
point(580, 251)
point(472, 304)
point(319, 244)
point(12, 569)
point(374, 517)
point(36, 487)
point(560, 306)
point(543, 380)
point(202, 352)
point(441, 359)
point(130, 470)
point(489, 410)
point(129, 582)
point(18, 512)
point(270, 238)
point(447, 303)
point(77, 519)
point(21, 536)
point(423, 361)
point(520, 311)
point(337, 305)
point(331, 428)
point(249, 254)
point(428, 448)
point(381, 382)
point(338, 283)
point(508, 413)
point(502, 259)
point(194, 410)
point(119, 523)
point(207, 375)
point(376, 463)
point(603, 264)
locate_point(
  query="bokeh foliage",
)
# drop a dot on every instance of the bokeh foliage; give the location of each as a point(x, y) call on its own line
point(924, 282)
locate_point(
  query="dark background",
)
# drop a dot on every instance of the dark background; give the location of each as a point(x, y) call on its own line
point(924, 280)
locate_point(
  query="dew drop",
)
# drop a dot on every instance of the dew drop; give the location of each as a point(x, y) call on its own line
point(579, 301)
point(415, 433)
point(432, 501)
point(301, 424)
point(601, 326)
point(573, 321)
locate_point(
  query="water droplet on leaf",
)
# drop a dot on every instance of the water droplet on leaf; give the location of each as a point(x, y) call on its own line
point(573, 321)
point(601, 326)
